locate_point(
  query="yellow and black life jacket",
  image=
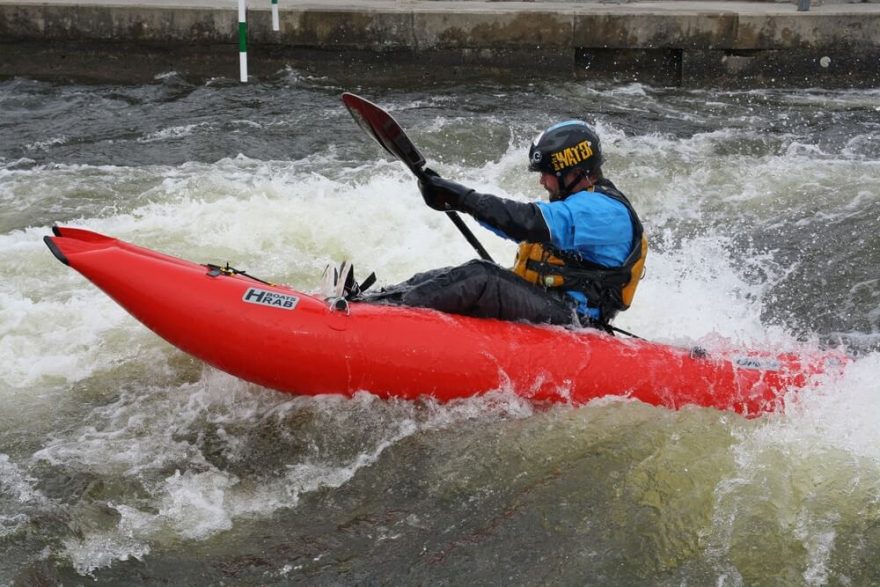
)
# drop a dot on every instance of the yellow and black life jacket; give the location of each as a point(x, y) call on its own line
point(610, 289)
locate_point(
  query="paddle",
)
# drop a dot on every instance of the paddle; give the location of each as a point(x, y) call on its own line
point(378, 124)
point(384, 129)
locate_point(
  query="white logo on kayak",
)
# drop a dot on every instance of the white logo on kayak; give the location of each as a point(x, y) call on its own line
point(270, 298)
point(763, 364)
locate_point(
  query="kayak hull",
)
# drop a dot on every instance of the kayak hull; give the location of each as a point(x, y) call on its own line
point(298, 343)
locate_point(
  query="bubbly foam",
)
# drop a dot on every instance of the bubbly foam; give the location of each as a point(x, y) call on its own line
point(197, 450)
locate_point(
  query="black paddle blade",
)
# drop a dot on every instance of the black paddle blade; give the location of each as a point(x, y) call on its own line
point(378, 124)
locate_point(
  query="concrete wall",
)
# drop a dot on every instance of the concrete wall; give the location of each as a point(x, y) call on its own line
point(691, 43)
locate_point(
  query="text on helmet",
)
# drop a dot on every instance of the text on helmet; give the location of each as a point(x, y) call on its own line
point(571, 156)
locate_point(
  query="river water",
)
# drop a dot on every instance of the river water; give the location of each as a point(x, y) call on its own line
point(124, 461)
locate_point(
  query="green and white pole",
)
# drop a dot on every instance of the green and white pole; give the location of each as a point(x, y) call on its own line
point(276, 25)
point(242, 39)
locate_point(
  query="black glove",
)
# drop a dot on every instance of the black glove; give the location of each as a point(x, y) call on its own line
point(442, 194)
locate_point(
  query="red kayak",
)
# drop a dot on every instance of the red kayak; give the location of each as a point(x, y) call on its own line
point(298, 343)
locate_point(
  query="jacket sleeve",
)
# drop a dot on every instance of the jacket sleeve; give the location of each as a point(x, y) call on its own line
point(518, 220)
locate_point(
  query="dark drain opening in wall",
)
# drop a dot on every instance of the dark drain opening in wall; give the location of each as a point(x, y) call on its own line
point(652, 66)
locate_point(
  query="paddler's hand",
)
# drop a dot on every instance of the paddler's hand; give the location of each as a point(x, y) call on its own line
point(442, 194)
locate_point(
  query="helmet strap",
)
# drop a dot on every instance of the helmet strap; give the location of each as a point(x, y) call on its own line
point(565, 188)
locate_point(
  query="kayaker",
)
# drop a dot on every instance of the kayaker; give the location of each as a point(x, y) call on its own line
point(581, 254)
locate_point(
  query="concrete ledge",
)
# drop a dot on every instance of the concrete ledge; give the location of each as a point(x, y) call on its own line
point(683, 42)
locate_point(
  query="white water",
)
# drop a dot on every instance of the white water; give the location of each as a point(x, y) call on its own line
point(94, 392)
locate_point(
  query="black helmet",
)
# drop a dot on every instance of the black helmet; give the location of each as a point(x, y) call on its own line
point(572, 144)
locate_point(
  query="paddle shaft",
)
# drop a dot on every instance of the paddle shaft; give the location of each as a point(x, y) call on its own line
point(459, 223)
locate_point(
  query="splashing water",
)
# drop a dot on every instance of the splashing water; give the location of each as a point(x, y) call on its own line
point(121, 455)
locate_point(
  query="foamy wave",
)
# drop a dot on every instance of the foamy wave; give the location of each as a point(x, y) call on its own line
point(174, 132)
point(808, 473)
point(145, 432)
point(45, 144)
point(840, 413)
